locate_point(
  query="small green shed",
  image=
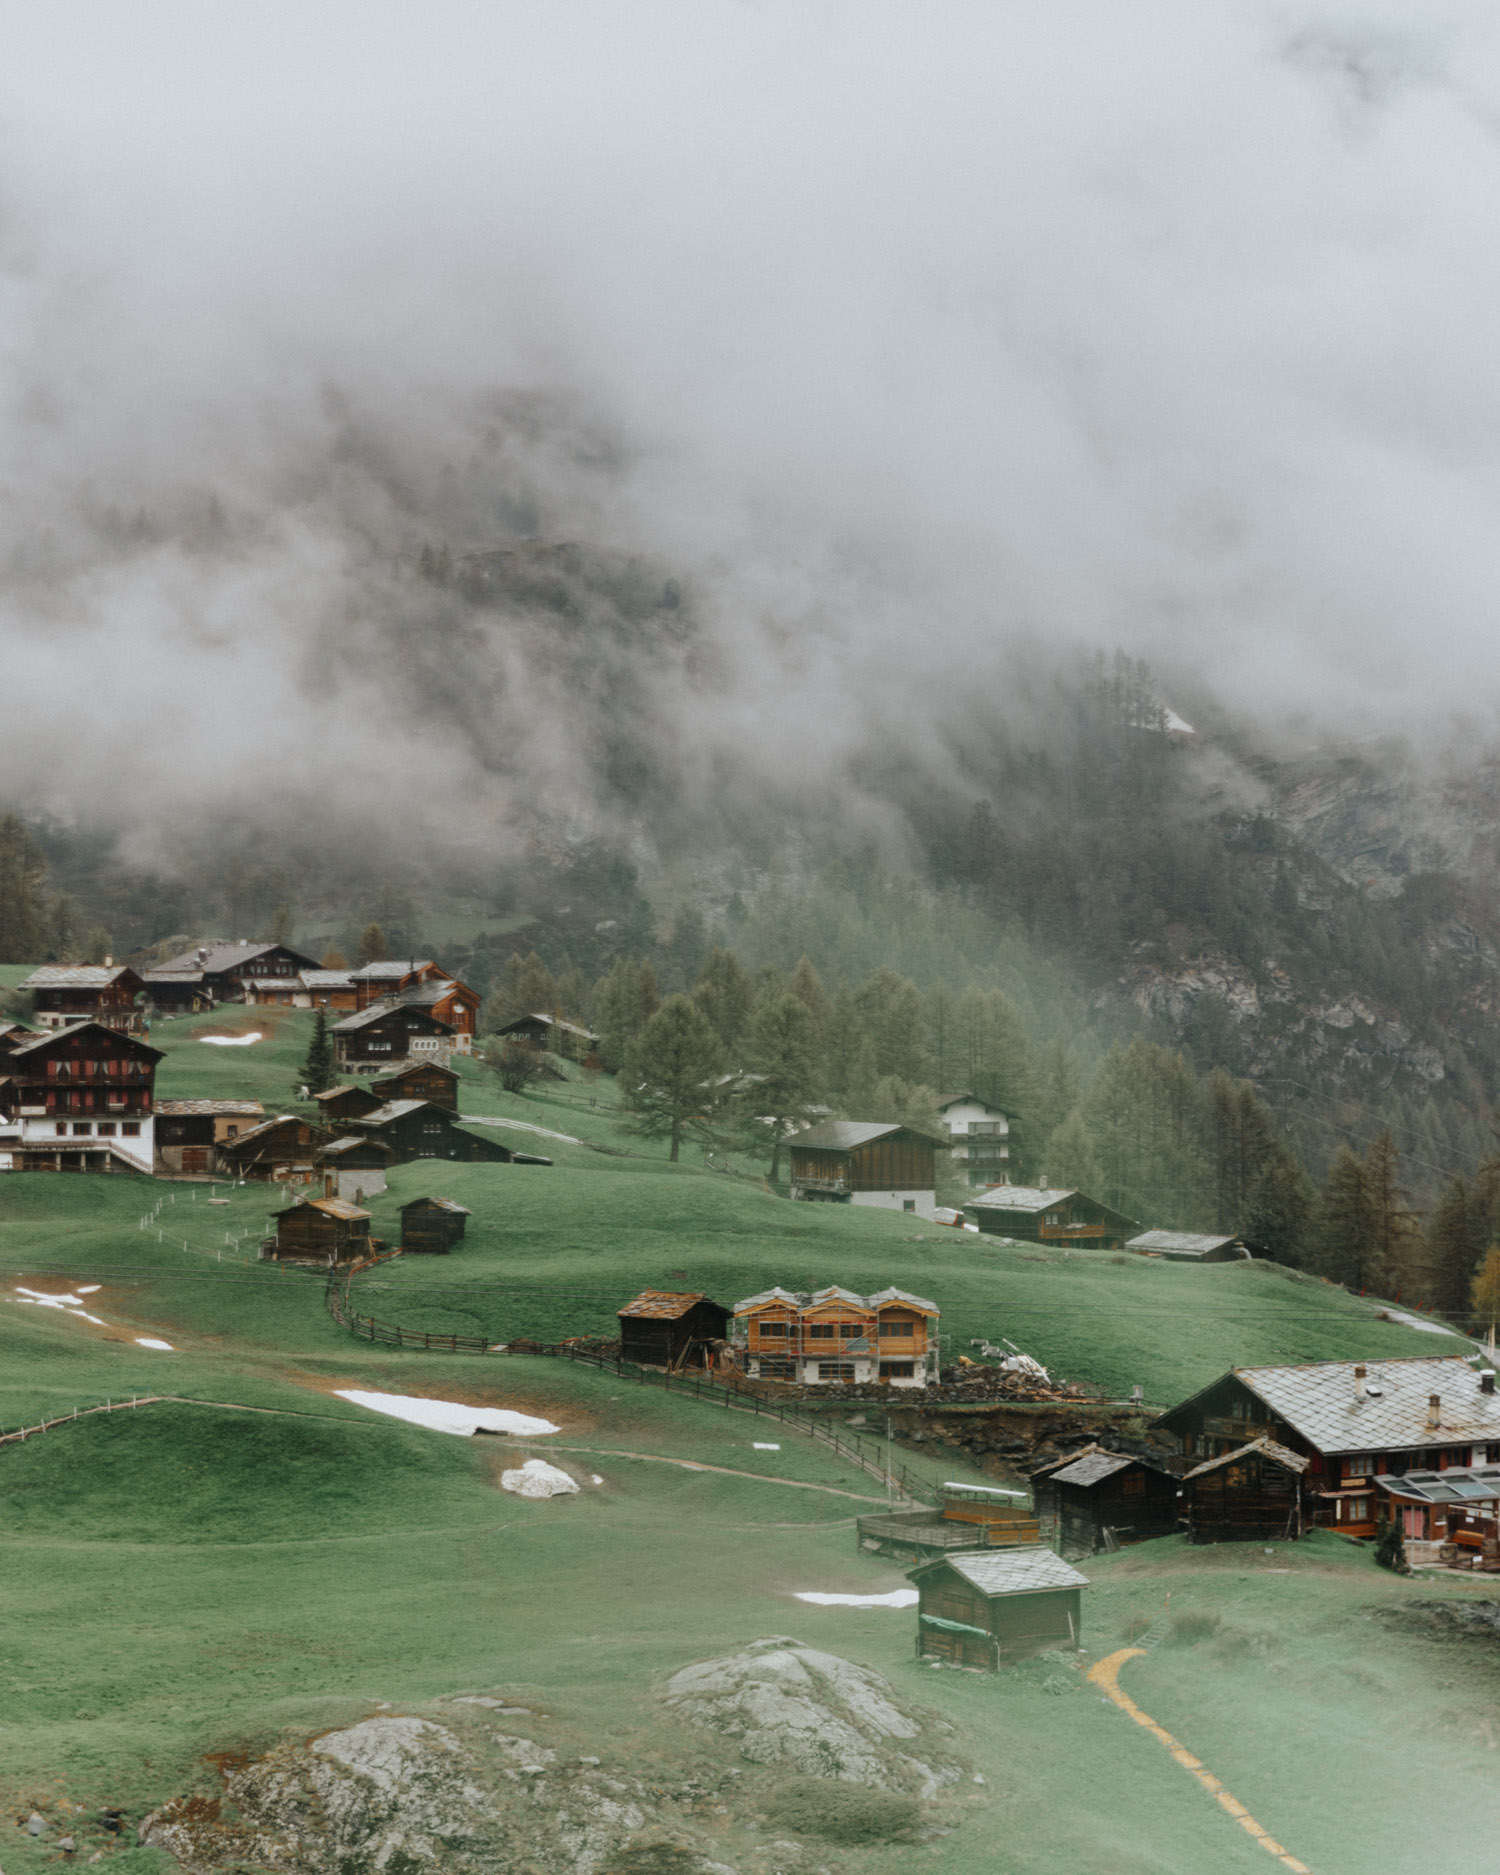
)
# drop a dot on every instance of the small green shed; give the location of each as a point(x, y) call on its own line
point(985, 1608)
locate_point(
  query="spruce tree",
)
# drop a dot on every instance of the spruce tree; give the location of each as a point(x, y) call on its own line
point(317, 1070)
point(781, 1052)
point(726, 995)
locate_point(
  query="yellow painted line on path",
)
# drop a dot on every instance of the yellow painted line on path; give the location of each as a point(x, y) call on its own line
point(1105, 1675)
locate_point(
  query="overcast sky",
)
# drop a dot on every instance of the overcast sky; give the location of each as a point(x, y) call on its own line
point(921, 336)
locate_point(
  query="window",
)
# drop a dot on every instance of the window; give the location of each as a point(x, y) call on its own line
point(83, 1126)
point(777, 1368)
point(900, 1331)
point(131, 1128)
point(908, 1204)
point(106, 1129)
point(821, 1331)
point(380, 1048)
point(897, 1370)
point(231, 1130)
point(835, 1370)
point(62, 1126)
point(850, 1331)
point(1358, 1510)
point(1359, 1465)
point(1492, 1455)
point(773, 1328)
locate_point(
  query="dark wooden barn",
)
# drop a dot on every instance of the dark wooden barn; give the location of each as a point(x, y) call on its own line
point(1251, 1495)
point(420, 1080)
point(190, 1132)
point(275, 1149)
point(665, 1328)
point(841, 1159)
point(1099, 1499)
point(552, 1033)
point(1040, 1214)
point(1185, 1246)
point(347, 1103)
point(985, 1608)
point(432, 1226)
point(111, 994)
point(319, 1230)
point(386, 1036)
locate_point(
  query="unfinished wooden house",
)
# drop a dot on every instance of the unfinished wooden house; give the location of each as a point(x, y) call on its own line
point(865, 1162)
point(388, 1035)
point(672, 1329)
point(78, 1099)
point(986, 1608)
point(972, 1516)
point(1185, 1246)
point(835, 1337)
point(190, 1132)
point(322, 1231)
point(1354, 1422)
point(432, 1226)
point(283, 1148)
point(420, 1080)
point(336, 1104)
point(110, 994)
point(1250, 1495)
point(1038, 1214)
point(1098, 1500)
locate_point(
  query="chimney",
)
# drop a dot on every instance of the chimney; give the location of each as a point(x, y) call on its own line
point(1041, 1183)
point(1434, 1409)
point(1359, 1383)
point(1486, 1380)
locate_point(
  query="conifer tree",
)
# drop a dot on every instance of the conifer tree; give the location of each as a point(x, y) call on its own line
point(624, 1002)
point(23, 873)
point(1456, 1241)
point(1396, 1248)
point(1343, 1226)
point(317, 1070)
point(372, 947)
point(668, 1074)
point(1484, 1294)
point(726, 995)
point(781, 1051)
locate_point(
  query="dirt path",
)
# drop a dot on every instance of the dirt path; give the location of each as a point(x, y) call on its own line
point(693, 1464)
point(1105, 1675)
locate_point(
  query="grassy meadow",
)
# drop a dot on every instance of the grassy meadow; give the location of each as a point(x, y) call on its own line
point(269, 1560)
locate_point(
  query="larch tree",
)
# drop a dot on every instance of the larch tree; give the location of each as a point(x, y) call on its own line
point(725, 993)
point(373, 948)
point(1343, 1226)
point(668, 1074)
point(624, 1002)
point(1396, 1237)
point(1484, 1293)
point(23, 908)
point(1456, 1240)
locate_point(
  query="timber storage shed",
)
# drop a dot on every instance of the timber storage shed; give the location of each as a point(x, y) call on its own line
point(667, 1328)
point(986, 1608)
point(431, 1226)
point(1250, 1495)
point(1101, 1498)
point(320, 1230)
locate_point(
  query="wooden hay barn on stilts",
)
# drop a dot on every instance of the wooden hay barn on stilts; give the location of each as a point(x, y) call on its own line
point(1250, 1495)
point(432, 1226)
point(985, 1608)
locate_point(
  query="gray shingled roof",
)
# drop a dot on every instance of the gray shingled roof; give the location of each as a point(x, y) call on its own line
point(75, 976)
point(1092, 1468)
point(392, 969)
point(1183, 1243)
point(845, 1135)
point(181, 1109)
point(392, 1110)
point(46, 1037)
point(1320, 1403)
point(1289, 1461)
point(1009, 1572)
point(377, 1011)
point(1021, 1197)
point(222, 957)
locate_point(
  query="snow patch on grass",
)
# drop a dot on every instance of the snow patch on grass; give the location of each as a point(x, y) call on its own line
point(231, 1041)
point(447, 1415)
point(898, 1598)
point(151, 1341)
point(536, 1478)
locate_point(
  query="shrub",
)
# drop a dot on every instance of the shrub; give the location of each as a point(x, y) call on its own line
point(839, 1812)
point(519, 1063)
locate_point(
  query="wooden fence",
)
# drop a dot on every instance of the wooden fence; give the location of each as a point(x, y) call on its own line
point(23, 1433)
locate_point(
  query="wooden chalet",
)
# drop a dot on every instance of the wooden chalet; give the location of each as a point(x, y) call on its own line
point(552, 1033)
point(1039, 1214)
point(357, 1165)
point(423, 985)
point(389, 976)
point(1354, 1423)
point(1185, 1246)
point(190, 1132)
point(78, 1099)
point(110, 994)
point(12, 1036)
point(672, 1329)
point(973, 1516)
point(282, 1148)
point(324, 1231)
point(1449, 1517)
point(347, 1103)
point(865, 1162)
point(432, 1226)
point(416, 1129)
point(1250, 1495)
point(219, 973)
point(327, 989)
point(978, 1137)
point(986, 1608)
point(420, 1080)
point(1099, 1499)
point(834, 1336)
point(387, 1035)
